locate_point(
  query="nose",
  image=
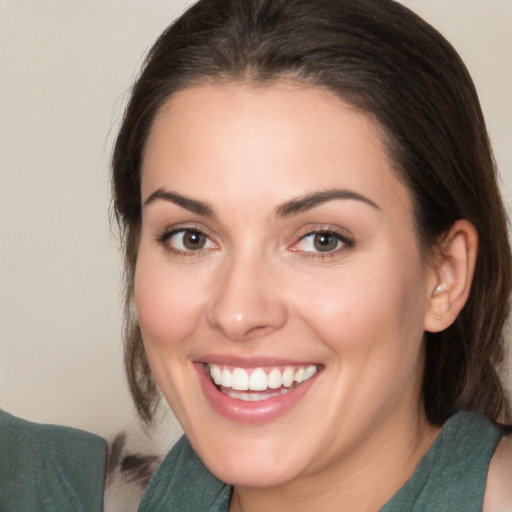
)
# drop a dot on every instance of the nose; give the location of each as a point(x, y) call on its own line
point(247, 302)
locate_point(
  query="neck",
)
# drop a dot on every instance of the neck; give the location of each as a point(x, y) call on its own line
point(364, 480)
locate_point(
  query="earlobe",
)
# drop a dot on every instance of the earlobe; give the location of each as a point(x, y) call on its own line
point(453, 271)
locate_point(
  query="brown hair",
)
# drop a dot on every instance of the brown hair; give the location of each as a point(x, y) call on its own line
point(385, 60)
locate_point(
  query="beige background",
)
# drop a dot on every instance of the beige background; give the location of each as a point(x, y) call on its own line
point(65, 66)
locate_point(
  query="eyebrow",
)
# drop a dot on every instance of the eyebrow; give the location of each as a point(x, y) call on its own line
point(198, 207)
point(310, 201)
point(291, 207)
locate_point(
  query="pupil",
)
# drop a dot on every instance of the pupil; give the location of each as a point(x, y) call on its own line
point(194, 240)
point(325, 242)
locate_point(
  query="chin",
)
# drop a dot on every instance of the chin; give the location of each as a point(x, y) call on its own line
point(252, 474)
point(251, 460)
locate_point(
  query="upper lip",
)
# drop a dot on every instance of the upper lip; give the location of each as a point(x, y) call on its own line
point(252, 362)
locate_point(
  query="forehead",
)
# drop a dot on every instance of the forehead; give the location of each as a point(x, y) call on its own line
point(273, 141)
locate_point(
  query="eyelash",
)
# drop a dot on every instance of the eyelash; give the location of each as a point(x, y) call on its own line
point(166, 237)
point(342, 242)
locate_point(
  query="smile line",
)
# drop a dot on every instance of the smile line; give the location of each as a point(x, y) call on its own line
point(260, 383)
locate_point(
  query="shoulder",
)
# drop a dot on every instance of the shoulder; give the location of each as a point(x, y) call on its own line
point(49, 464)
point(19, 438)
point(453, 473)
point(14, 426)
point(498, 493)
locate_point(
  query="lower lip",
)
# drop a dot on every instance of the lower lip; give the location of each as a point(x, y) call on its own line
point(263, 411)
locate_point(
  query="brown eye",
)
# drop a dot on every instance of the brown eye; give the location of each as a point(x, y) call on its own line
point(325, 242)
point(193, 240)
point(321, 243)
point(186, 241)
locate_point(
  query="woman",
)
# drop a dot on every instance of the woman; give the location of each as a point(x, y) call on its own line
point(317, 263)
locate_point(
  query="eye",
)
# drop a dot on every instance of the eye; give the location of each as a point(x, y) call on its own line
point(186, 240)
point(322, 242)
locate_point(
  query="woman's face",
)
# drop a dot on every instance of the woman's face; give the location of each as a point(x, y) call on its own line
point(278, 246)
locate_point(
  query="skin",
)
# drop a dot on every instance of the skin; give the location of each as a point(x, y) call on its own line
point(260, 288)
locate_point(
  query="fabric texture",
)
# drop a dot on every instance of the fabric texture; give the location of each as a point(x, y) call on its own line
point(47, 468)
point(450, 478)
point(453, 474)
point(183, 484)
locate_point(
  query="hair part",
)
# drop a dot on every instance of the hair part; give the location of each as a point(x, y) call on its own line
point(384, 60)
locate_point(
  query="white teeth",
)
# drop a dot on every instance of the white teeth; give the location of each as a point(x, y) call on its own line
point(275, 379)
point(216, 374)
point(299, 375)
point(258, 380)
point(239, 379)
point(288, 377)
point(310, 371)
point(252, 397)
point(227, 379)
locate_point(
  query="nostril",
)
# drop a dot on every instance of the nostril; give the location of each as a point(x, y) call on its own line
point(244, 306)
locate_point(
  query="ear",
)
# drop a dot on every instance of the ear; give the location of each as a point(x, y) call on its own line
point(452, 275)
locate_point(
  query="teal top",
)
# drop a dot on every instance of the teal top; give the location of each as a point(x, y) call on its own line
point(450, 478)
point(47, 468)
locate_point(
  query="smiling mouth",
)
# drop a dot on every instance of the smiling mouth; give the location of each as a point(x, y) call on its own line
point(254, 385)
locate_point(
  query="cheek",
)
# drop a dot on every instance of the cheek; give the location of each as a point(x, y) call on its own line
point(167, 311)
point(374, 307)
point(167, 314)
point(371, 321)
